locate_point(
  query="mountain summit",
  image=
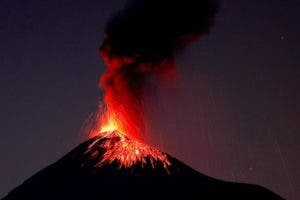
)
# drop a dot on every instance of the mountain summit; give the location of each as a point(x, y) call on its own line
point(112, 166)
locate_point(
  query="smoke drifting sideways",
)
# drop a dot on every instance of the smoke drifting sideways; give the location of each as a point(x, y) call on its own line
point(141, 40)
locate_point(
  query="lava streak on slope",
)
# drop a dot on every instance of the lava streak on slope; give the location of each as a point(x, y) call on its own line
point(125, 151)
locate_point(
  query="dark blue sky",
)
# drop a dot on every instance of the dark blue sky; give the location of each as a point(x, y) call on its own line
point(234, 115)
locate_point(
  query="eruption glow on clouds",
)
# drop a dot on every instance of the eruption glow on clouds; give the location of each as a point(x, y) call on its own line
point(141, 40)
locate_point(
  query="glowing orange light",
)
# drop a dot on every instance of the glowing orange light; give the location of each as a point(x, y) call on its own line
point(111, 123)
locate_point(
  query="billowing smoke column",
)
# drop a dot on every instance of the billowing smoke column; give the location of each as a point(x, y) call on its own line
point(141, 40)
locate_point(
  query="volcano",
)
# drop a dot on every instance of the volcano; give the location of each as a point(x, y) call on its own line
point(112, 166)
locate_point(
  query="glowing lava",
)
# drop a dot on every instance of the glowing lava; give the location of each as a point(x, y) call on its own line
point(125, 151)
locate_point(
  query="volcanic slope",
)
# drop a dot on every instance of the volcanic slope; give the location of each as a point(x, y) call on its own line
point(85, 174)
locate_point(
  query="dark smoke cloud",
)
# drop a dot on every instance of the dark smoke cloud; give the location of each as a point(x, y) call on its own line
point(151, 30)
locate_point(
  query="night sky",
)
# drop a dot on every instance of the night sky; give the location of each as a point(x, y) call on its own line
point(234, 113)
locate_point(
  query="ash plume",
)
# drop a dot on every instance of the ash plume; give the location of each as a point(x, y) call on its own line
point(152, 30)
point(141, 40)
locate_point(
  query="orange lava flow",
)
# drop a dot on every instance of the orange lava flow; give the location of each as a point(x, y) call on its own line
point(127, 152)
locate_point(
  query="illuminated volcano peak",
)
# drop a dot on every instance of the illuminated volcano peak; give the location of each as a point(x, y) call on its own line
point(127, 152)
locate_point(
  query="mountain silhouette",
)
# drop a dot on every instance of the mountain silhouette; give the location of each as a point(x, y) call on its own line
point(78, 175)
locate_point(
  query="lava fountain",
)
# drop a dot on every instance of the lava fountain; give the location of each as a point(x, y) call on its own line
point(140, 41)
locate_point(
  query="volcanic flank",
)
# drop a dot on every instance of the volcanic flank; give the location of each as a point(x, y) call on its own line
point(84, 173)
